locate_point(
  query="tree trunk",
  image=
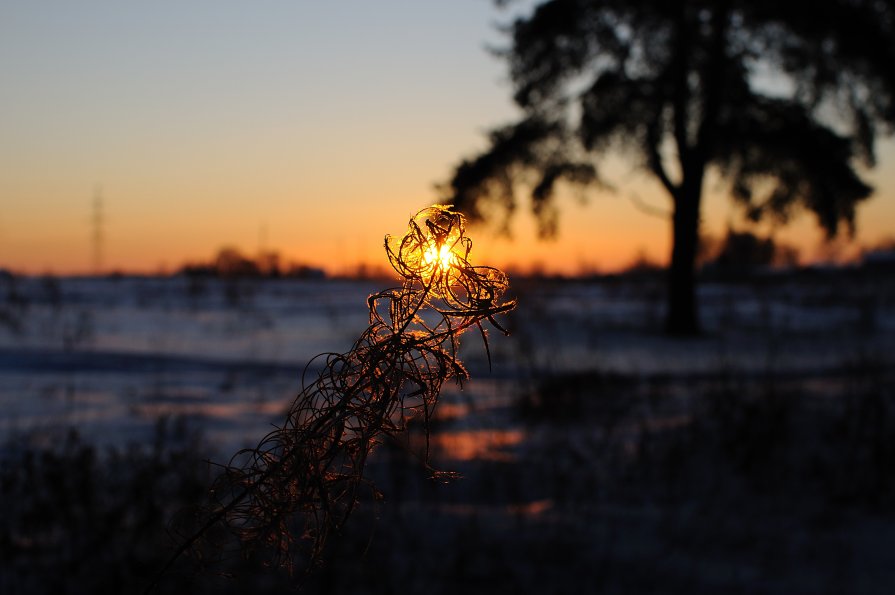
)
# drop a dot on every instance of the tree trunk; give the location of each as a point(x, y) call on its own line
point(681, 318)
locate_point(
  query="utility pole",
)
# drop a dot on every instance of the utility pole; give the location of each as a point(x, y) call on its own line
point(98, 235)
point(262, 239)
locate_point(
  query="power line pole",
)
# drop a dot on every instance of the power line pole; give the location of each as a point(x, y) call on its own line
point(262, 239)
point(98, 232)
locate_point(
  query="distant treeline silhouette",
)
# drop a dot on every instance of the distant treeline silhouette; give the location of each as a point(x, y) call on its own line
point(230, 262)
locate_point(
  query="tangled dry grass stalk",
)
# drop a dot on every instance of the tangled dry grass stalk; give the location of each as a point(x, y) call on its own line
point(303, 480)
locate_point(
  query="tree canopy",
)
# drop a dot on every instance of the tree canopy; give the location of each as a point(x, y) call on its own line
point(782, 100)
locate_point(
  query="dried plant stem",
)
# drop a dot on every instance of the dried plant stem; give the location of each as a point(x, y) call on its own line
point(302, 481)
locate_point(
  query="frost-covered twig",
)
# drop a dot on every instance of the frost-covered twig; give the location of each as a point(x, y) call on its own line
point(302, 481)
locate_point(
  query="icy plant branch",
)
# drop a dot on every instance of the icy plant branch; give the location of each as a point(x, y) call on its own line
point(301, 483)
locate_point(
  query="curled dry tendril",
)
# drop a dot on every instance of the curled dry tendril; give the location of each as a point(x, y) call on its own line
point(302, 481)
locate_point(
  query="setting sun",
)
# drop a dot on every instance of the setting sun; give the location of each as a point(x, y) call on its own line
point(439, 257)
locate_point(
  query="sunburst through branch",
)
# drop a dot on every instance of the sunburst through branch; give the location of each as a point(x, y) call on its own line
point(299, 485)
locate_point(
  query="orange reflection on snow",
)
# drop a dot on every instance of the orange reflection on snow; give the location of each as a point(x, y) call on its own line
point(211, 410)
point(534, 508)
point(490, 445)
point(448, 411)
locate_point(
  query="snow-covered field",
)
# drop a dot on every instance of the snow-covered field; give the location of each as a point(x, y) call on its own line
point(109, 356)
point(596, 454)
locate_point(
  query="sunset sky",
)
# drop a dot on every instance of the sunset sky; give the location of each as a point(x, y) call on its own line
point(310, 128)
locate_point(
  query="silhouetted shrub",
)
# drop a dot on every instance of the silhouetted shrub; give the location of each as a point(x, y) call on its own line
point(77, 519)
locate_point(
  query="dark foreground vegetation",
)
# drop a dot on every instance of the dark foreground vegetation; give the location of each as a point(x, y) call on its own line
point(598, 457)
point(621, 485)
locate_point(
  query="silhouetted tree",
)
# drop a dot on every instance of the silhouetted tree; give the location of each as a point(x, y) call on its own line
point(742, 253)
point(230, 262)
point(268, 263)
point(780, 99)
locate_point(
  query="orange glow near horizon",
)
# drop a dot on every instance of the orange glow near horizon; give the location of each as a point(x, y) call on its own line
point(158, 227)
point(606, 235)
point(268, 131)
